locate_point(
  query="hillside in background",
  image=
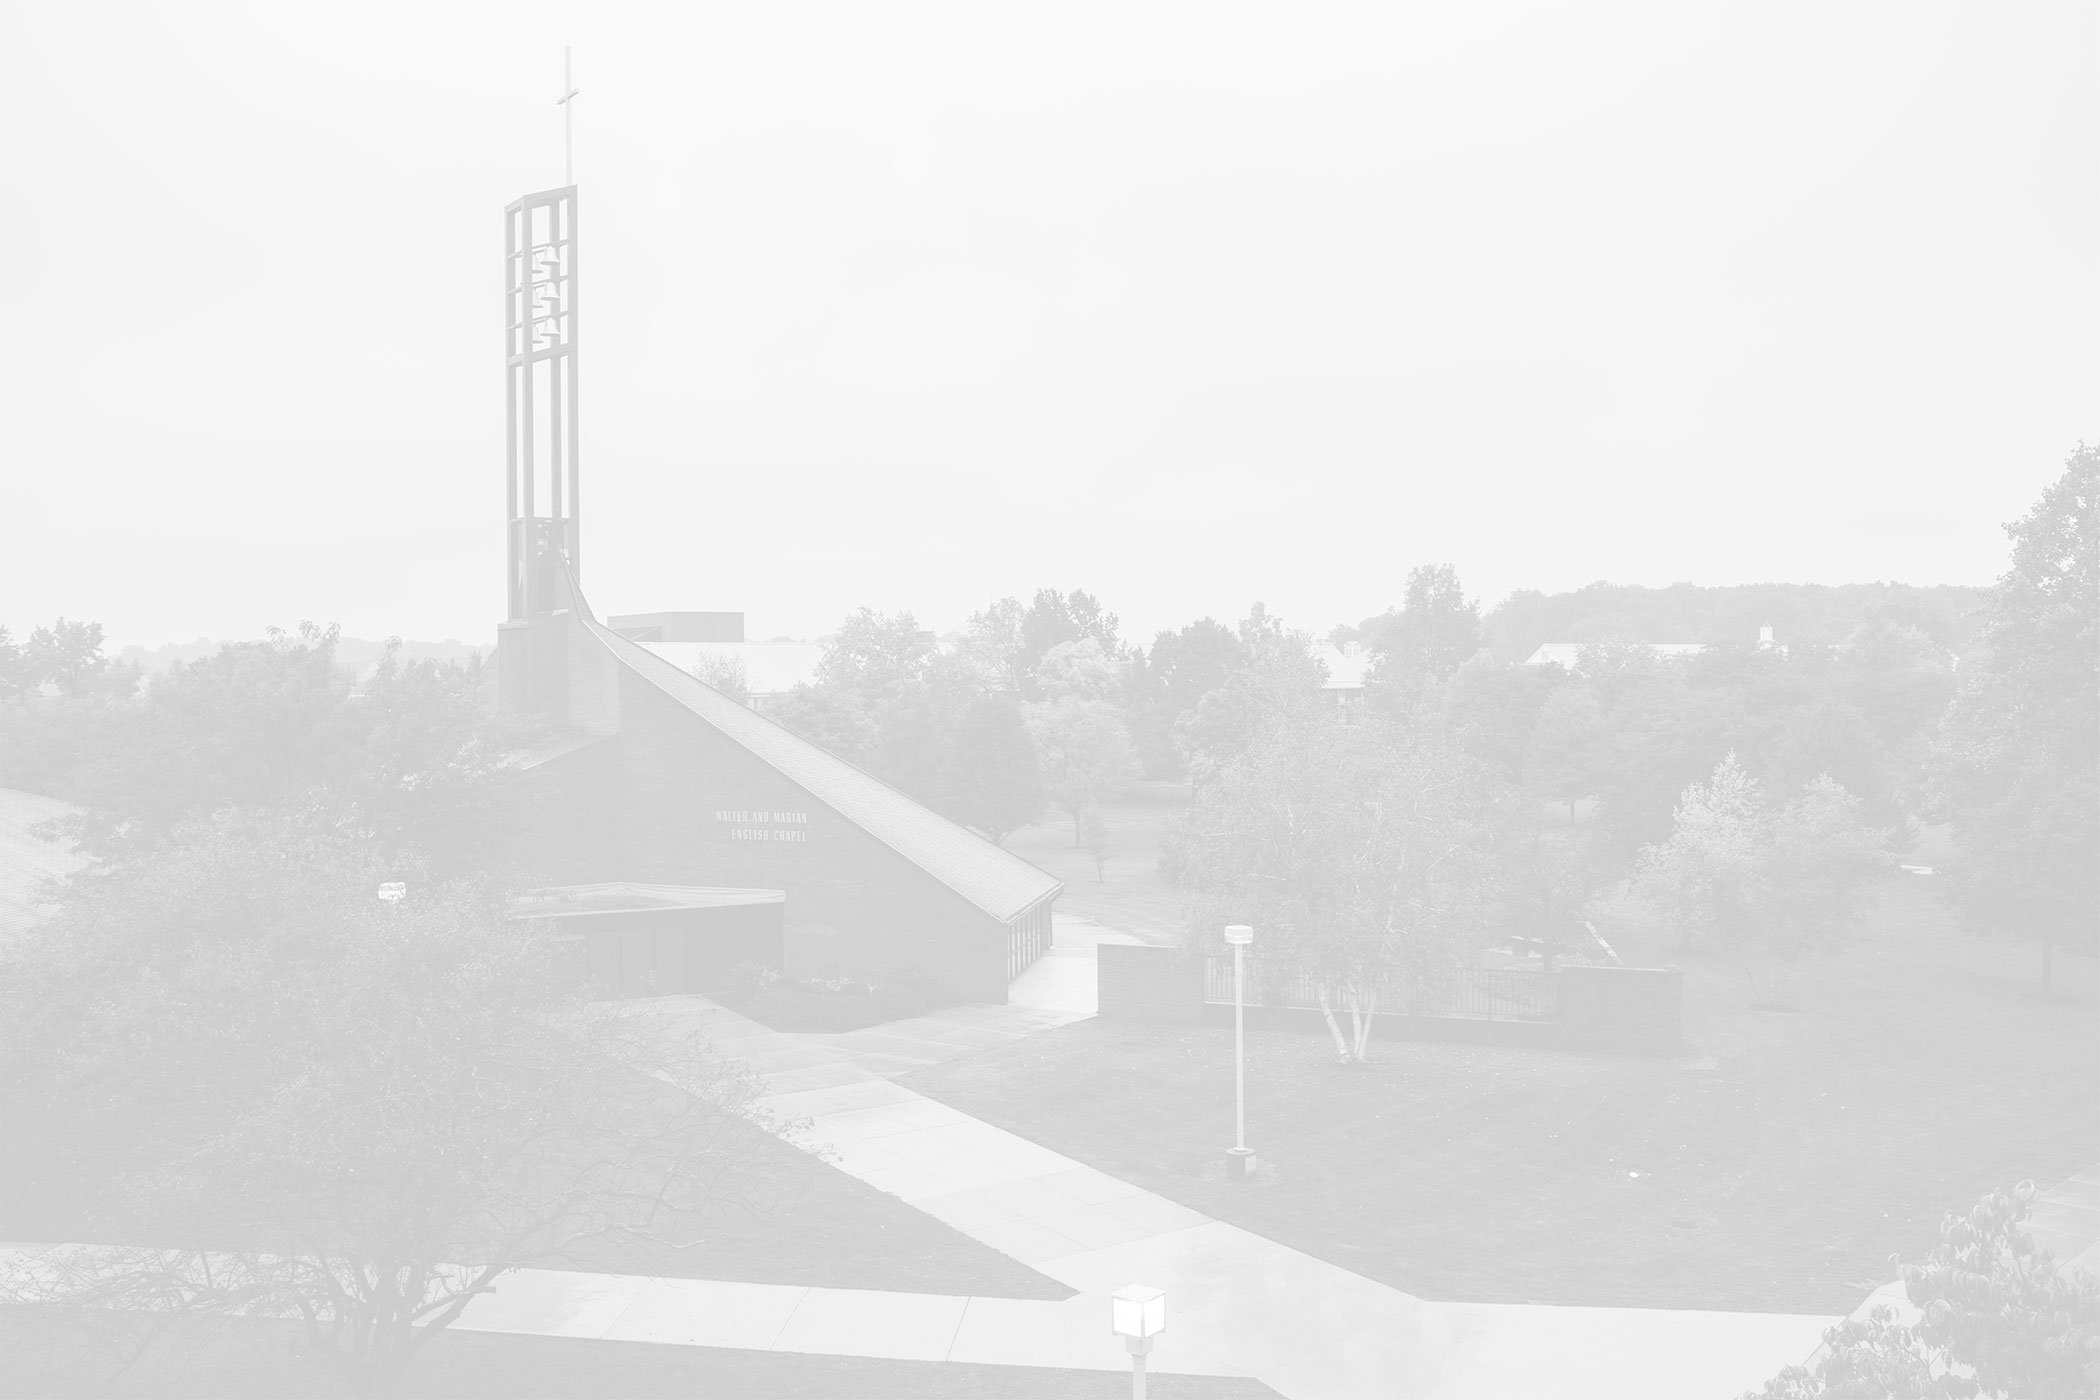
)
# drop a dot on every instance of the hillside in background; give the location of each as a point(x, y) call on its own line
point(1804, 613)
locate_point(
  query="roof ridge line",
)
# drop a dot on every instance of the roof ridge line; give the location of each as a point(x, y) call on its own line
point(613, 644)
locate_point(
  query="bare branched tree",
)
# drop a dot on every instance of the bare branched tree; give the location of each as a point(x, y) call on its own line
point(297, 1100)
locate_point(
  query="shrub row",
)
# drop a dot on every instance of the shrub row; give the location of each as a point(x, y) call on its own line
point(785, 1003)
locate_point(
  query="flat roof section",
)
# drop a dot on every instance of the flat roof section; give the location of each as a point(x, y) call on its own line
point(622, 897)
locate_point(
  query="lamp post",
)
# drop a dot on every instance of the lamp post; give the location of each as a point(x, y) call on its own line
point(1137, 1314)
point(1239, 1158)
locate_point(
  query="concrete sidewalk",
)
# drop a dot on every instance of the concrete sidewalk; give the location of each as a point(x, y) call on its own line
point(1241, 1304)
point(1238, 1304)
point(830, 1321)
point(1073, 1334)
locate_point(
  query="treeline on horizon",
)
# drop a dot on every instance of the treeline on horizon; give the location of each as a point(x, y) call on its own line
point(1044, 705)
point(1811, 614)
point(1817, 614)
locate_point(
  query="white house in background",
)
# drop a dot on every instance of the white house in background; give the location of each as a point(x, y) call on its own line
point(1568, 654)
point(29, 861)
point(1347, 665)
point(692, 641)
point(771, 669)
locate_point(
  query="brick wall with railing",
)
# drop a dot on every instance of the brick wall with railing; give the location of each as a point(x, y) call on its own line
point(1608, 1008)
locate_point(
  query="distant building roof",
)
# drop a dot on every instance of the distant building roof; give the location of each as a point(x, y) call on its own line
point(988, 876)
point(679, 626)
point(1346, 666)
point(28, 862)
point(621, 896)
point(770, 668)
point(1568, 653)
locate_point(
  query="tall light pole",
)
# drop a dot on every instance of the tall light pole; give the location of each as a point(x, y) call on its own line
point(1239, 1158)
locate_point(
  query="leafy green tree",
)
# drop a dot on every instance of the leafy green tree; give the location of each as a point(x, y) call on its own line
point(1361, 854)
point(1564, 755)
point(60, 699)
point(872, 654)
point(915, 726)
point(1548, 874)
point(992, 781)
point(1494, 710)
point(879, 699)
point(1997, 1318)
point(832, 719)
point(1771, 886)
point(1084, 748)
point(1703, 879)
point(65, 655)
point(418, 761)
point(992, 639)
point(1435, 631)
point(1280, 674)
point(1656, 734)
point(309, 1103)
point(1870, 1358)
point(1015, 639)
point(1171, 680)
point(2018, 754)
point(726, 674)
point(413, 758)
point(1078, 670)
point(1823, 862)
point(1093, 825)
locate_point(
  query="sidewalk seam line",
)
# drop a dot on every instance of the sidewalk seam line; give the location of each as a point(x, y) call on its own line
point(949, 1351)
point(639, 1293)
point(789, 1316)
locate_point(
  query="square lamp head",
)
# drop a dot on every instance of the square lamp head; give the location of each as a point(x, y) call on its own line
point(393, 891)
point(1239, 935)
point(1137, 1311)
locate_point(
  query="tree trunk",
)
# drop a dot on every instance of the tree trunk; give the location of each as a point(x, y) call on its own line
point(1360, 1017)
point(1334, 1027)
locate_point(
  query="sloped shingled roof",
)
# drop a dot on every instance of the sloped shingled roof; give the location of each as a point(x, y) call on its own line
point(990, 877)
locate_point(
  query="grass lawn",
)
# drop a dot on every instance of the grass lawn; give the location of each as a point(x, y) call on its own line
point(71, 1356)
point(1128, 893)
point(1775, 1167)
point(806, 1223)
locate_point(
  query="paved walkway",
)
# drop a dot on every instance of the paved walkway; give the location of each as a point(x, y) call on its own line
point(1239, 1304)
point(831, 1321)
point(2066, 1221)
point(743, 1316)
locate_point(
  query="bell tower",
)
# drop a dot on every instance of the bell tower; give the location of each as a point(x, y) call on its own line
point(541, 477)
point(541, 440)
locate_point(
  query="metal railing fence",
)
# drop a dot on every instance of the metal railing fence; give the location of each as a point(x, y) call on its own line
point(1474, 993)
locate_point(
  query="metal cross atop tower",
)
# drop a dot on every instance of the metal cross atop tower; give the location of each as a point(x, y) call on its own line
point(539, 281)
point(568, 121)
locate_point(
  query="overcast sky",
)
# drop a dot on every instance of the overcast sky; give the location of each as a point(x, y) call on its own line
point(916, 307)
